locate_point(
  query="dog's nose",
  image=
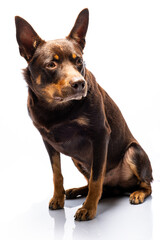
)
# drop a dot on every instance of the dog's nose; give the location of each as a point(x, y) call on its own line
point(78, 85)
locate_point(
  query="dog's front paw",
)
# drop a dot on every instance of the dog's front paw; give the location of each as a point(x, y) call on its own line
point(84, 214)
point(56, 203)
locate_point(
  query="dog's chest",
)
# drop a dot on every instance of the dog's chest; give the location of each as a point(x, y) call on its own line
point(69, 138)
point(68, 135)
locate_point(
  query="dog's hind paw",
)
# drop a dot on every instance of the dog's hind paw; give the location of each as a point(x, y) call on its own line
point(71, 193)
point(76, 192)
point(137, 197)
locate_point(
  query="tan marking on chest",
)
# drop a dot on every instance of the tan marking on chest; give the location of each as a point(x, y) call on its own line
point(82, 121)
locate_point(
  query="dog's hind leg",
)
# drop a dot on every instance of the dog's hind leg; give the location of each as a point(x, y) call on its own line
point(139, 195)
point(139, 164)
point(76, 192)
point(82, 191)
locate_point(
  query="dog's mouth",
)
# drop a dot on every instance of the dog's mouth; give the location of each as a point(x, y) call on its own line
point(70, 98)
point(66, 94)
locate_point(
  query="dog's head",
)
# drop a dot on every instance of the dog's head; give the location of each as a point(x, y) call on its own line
point(56, 70)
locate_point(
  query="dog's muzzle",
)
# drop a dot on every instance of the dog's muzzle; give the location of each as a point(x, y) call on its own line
point(77, 85)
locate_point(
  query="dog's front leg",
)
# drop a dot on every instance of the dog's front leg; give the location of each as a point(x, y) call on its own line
point(57, 201)
point(89, 208)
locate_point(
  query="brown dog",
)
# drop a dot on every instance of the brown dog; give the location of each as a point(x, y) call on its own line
point(76, 117)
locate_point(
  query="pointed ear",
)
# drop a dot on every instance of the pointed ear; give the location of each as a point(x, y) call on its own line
point(27, 38)
point(79, 30)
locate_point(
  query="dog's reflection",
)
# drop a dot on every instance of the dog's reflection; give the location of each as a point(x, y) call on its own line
point(59, 222)
point(116, 218)
point(64, 223)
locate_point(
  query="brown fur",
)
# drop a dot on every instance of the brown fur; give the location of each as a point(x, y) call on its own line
point(76, 117)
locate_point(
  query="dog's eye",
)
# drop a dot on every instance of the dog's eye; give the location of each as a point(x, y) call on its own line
point(79, 62)
point(51, 65)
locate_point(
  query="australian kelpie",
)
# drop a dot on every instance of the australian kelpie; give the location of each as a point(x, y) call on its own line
point(76, 117)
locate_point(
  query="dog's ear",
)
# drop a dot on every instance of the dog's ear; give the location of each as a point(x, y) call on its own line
point(79, 30)
point(27, 38)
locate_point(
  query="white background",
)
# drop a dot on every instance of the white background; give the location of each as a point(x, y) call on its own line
point(123, 52)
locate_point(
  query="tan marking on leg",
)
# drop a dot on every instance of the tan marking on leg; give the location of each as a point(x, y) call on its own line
point(38, 80)
point(126, 170)
point(89, 208)
point(57, 175)
point(57, 201)
point(95, 192)
point(139, 196)
point(128, 158)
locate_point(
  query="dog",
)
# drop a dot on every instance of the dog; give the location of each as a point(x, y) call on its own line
point(76, 117)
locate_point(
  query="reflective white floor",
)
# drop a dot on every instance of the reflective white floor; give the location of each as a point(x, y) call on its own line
point(116, 219)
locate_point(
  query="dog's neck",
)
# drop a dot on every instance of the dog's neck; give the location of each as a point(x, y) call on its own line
point(44, 114)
